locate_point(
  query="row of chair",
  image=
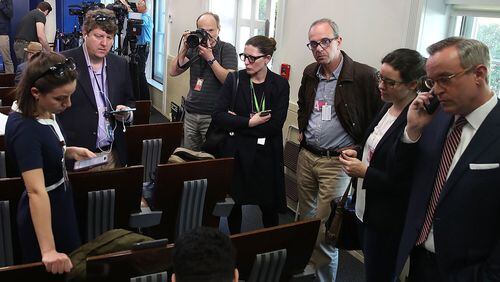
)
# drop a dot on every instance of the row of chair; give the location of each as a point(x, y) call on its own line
point(185, 194)
point(269, 254)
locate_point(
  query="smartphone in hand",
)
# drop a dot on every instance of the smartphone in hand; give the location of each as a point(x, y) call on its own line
point(433, 104)
point(90, 163)
point(122, 111)
point(264, 113)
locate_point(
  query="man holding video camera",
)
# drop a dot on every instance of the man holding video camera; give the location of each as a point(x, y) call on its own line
point(103, 87)
point(210, 60)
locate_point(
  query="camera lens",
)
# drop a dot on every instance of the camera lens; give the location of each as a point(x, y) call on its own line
point(193, 40)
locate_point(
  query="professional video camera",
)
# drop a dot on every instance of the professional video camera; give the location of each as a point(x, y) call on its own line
point(121, 13)
point(82, 9)
point(197, 37)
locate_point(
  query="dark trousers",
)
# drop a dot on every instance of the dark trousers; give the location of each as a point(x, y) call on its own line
point(423, 266)
point(270, 218)
point(380, 250)
point(138, 73)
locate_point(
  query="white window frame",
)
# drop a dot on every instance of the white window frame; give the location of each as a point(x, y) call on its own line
point(269, 25)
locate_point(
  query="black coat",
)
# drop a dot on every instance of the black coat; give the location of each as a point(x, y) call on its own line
point(80, 121)
point(387, 192)
point(466, 225)
point(243, 145)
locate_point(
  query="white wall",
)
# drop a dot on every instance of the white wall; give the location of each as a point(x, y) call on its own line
point(50, 24)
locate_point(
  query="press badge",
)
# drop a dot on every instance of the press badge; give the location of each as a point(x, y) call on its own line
point(199, 84)
point(326, 112)
point(318, 105)
point(261, 141)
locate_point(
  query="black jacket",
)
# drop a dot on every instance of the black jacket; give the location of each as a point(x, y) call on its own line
point(243, 144)
point(80, 121)
point(466, 225)
point(387, 192)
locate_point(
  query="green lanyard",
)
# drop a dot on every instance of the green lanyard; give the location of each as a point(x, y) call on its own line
point(262, 106)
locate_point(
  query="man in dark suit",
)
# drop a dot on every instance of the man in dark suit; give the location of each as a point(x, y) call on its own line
point(452, 231)
point(103, 85)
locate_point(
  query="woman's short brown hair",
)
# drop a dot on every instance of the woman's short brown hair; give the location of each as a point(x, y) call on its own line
point(37, 75)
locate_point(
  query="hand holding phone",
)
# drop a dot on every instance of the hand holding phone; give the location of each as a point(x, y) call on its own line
point(90, 163)
point(433, 104)
point(264, 113)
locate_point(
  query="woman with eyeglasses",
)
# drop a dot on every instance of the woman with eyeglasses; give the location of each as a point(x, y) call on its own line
point(382, 196)
point(46, 218)
point(255, 117)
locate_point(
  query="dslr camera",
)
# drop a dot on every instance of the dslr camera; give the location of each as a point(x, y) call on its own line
point(197, 37)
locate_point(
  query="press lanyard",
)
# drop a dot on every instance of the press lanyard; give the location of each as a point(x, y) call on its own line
point(101, 92)
point(262, 106)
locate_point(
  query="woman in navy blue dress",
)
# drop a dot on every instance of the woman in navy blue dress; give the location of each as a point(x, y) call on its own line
point(35, 146)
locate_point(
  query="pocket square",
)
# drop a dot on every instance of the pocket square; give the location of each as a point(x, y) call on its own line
point(483, 166)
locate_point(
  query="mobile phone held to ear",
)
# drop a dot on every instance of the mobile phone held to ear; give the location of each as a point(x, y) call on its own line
point(122, 111)
point(433, 104)
point(90, 163)
point(264, 113)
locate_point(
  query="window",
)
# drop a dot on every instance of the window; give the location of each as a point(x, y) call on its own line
point(242, 19)
point(159, 50)
point(486, 30)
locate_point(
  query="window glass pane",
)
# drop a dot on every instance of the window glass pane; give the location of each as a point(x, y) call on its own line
point(259, 31)
point(244, 36)
point(246, 9)
point(487, 30)
point(159, 40)
point(261, 7)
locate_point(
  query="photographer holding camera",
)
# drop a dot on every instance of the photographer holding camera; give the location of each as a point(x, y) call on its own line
point(210, 60)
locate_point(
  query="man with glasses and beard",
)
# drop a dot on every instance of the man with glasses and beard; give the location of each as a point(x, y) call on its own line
point(210, 63)
point(103, 85)
point(338, 99)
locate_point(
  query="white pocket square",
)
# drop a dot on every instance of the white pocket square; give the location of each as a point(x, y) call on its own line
point(483, 166)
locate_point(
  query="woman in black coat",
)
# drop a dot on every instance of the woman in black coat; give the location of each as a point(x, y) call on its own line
point(255, 117)
point(382, 195)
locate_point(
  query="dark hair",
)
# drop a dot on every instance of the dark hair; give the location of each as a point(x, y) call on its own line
point(266, 45)
point(409, 63)
point(109, 26)
point(215, 16)
point(44, 6)
point(204, 254)
point(37, 66)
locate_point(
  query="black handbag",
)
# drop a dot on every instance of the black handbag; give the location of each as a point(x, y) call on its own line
point(216, 136)
point(343, 224)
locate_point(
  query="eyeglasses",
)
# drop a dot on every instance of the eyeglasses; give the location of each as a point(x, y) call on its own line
point(59, 69)
point(250, 58)
point(324, 43)
point(387, 81)
point(445, 79)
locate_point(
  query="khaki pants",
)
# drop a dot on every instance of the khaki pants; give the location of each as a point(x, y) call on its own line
point(19, 50)
point(319, 181)
point(5, 52)
point(195, 128)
